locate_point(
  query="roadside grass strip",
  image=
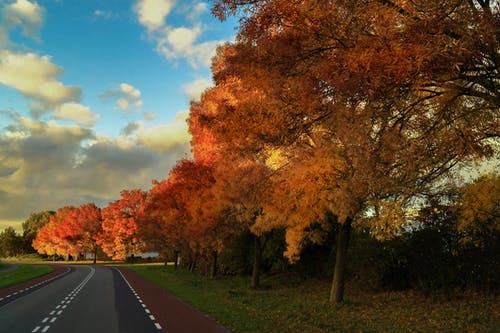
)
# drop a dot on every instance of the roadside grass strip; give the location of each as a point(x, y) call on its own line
point(286, 303)
point(59, 309)
point(21, 273)
point(146, 310)
point(19, 293)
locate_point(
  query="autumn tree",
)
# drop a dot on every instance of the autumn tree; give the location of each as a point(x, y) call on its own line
point(183, 213)
point(51, 238)
point(120, 229)
point(82, 228)
point(478, 210)
point(242, 177)
point(45, 241)
point(386, 96)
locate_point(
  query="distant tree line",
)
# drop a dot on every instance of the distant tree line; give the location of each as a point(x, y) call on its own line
point(452, 241)
point(12, 244)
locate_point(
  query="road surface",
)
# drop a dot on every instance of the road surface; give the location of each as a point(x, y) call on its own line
point(86, 299)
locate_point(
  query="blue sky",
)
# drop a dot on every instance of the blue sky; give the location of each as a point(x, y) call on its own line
point(94, 95)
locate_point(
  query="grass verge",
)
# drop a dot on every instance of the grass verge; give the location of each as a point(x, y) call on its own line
point(285, 305)
point(22, 273)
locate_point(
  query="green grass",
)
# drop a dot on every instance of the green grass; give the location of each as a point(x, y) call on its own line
point(23, 273)
point(285, 305)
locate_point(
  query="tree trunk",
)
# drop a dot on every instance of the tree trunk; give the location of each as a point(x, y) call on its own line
point(257, 259)
point(194, 260)
point(213, 273)
point(95, 255)
point(337, 291)
point(176, 258)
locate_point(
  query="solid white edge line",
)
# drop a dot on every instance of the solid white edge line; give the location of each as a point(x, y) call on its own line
point(158, 326)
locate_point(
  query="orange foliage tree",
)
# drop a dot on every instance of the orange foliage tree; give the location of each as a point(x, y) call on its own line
point(51, 238)
point(183, 214)
point(82, 227)
point(242, 177)
point(372, 102)
point(120, 228)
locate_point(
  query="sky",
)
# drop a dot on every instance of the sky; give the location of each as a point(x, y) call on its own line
point(94, 96)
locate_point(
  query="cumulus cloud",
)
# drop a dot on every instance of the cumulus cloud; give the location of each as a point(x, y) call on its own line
point(127, 97)
point(194, 89)
point(161, 138)
point(76, 112)
point(182, 43)
point(152, 13)
point(177, 42)
point(25, 14)
point(130, 128)
point(35, 76)
point(45, 165)
point(32, 75)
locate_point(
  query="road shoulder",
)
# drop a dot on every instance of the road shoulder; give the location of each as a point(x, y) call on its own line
point(174, 315)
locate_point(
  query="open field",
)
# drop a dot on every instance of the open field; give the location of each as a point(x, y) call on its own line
point(22, 273)
point(285, 305)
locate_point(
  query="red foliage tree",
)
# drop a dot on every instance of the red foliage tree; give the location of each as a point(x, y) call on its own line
point(51, 238)
point(82, 227)
point(120, 229)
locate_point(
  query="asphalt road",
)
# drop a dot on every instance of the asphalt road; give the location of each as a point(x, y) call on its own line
point(86, 299)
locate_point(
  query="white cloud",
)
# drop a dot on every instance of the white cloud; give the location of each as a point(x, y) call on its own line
point(177, 42)
point(51, 131)
point(45, 165)
point(127, 97)
point(196, 11)
point(25, 14)
point(149, 116)
point(194, 89)
point(152, 13)
point(181, 43)
point(76, 112)
point(182, 39)
point(161, 138)
point(35, 77)
point(103, 14)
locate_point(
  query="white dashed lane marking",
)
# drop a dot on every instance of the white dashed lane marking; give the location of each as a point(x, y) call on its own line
point(64, 303)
